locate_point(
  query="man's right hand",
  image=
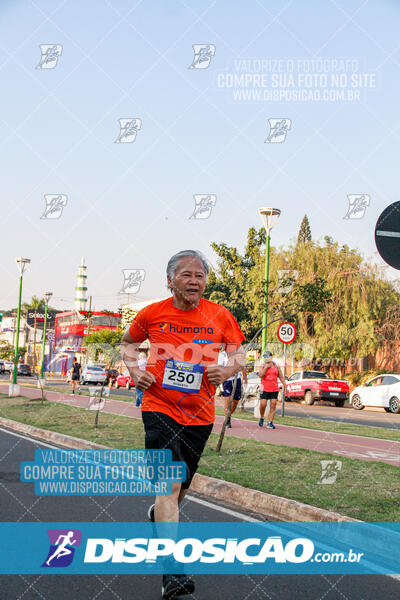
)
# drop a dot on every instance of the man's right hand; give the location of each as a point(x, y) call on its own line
point(143, 379)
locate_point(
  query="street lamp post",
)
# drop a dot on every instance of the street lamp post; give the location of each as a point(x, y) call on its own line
point(22, 264)
point(47, 296)
point(269, 217)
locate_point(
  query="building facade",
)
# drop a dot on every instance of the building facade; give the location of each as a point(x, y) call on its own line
point(70, 329)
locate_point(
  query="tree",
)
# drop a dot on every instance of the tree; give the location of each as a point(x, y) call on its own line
point(304, 235)
point(104, 345)
point(6, 350)
point(350, 325)
point(232, 285)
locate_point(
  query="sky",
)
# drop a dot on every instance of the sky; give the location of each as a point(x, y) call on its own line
point(199, 79)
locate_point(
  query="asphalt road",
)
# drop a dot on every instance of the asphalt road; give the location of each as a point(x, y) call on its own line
point(19, 503)
point(376, 417)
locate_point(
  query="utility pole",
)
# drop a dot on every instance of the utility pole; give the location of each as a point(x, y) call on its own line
point(88, 329)
point(268, 216)
point(34, 342)
point(89, 314)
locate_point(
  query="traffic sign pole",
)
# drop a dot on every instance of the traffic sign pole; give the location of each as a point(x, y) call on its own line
point(284, 376)
point(286, 334)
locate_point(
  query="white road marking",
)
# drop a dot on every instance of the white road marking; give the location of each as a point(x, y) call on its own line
point(28, 439)
point(227, 511)
point(395, 234)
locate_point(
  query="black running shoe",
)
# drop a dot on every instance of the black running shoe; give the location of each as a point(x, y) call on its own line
point(229, 424)
point(150, 513)
point(176, 585)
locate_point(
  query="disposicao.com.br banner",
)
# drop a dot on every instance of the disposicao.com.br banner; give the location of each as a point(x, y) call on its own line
point(208, 548)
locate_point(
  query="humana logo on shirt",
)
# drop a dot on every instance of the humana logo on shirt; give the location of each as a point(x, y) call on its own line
point(176, 329)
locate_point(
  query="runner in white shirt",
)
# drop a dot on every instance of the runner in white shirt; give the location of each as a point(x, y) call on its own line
point(141, 363)
point(228, 386)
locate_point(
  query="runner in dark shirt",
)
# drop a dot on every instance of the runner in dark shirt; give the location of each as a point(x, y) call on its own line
point(75, 373)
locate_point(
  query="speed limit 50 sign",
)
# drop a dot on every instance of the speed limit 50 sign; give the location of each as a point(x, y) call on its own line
point(286, 333)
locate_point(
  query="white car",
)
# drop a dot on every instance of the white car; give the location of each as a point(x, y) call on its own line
point(383, 390)
point(8, 366)
point(93, 374)
point(252, 387)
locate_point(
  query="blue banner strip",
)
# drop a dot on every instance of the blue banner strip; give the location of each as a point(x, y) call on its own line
point(208, 548)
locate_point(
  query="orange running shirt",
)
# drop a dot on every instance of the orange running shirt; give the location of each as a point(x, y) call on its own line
point(193, 336)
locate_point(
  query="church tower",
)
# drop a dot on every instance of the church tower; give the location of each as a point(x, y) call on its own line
point(81, 288)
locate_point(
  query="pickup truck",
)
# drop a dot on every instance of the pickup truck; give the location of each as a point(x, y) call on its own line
point(315, 385)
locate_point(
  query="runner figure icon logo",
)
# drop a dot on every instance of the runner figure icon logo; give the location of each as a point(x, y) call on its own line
point(128, 130)
point(203, 205)
point(62, 547)
point(203, 54)
point(132, 280)
point(50, 53)
point(55, 204)
point(330, 470)
point(278, 129)
point(358, 204)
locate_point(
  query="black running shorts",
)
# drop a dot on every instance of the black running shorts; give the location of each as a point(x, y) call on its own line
point(269, 395)
point(186, 441)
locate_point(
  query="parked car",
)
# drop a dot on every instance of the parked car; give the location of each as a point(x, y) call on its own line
point(93, 374)
point(252, 387)
point(112, 375)
point(316, 385)
point(24, 370)
point(124, 380)
point(8, 366)
point(383, 390)
point(2, 370)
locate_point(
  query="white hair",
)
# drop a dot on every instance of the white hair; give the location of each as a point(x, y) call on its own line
point(174, 260)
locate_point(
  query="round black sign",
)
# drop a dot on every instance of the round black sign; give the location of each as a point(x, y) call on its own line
point(387, 235)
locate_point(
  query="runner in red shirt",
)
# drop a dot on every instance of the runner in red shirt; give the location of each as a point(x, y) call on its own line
point(269, 374)
point(185, 334)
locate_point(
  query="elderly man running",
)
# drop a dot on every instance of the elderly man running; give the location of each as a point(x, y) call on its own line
point(185, 333)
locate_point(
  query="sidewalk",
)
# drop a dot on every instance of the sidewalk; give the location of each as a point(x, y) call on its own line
point(351, 446)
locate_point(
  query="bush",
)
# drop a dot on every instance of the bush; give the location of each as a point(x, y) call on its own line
point(358, 378)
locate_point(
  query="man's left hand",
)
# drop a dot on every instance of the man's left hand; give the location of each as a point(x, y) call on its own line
point(217, 374)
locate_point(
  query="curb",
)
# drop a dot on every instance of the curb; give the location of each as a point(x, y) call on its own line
point(281, 509)
point(268, 505)
point(67, 441)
